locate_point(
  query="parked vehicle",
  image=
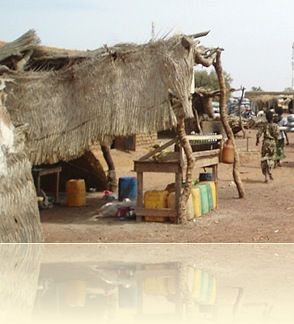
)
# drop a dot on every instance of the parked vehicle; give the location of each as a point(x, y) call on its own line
point(216, 110)
point(290, 124)
point(245, 108)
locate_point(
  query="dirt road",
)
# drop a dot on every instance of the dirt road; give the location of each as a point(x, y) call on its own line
point(265, 215)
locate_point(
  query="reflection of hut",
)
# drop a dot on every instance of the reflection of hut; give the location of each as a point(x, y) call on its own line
point(109, 92)
point(19, 268)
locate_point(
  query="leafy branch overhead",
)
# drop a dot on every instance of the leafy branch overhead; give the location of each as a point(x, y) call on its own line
point(208, 80)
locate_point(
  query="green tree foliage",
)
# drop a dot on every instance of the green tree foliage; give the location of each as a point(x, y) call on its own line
point(256, 89)
point(208, 80)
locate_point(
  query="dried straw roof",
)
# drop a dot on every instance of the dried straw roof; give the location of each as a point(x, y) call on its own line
point(118, 91)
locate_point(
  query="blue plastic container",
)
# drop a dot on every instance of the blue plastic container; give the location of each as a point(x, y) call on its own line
point(205, 177)
point(127, 188)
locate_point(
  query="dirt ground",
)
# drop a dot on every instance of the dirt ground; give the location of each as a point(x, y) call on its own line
point(265, 215)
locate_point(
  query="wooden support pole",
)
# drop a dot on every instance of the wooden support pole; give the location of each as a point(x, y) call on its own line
point(224, 118)
point(178, 182)
point(57, 187)
point(140, 199)
point(111, 175)
point(185, 144)
point(215, 178)
point(240, 117)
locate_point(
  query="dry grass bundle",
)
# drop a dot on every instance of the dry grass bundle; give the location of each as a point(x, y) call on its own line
point(24, 43)
point(122, 91)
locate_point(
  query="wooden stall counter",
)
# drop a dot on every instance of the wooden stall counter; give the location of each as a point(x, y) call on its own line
point(174, 162)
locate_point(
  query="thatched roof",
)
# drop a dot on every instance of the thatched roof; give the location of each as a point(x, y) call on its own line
point(116, 91)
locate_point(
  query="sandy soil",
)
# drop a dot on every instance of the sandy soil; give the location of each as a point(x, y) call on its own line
point(265, 215)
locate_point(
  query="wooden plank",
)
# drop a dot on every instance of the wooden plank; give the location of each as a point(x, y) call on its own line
point(159, 149)
point(206, 162)
point(152, 166)
point(155, 212)
point(169, 157)
point(43, 172)
point(204, 137)
point(206, 153)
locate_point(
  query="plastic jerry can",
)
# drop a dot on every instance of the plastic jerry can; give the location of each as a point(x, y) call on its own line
point(75, 193)
point(228, 154)
point(127, 188)
point(196, 290)
point(205, 204)
point(155, 199)
point(213, 192)
point(196, 198)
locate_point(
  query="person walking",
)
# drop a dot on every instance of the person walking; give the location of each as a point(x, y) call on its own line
point(283, 137)
point(270, 132)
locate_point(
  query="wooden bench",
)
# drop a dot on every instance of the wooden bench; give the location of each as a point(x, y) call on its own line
point(39, 172)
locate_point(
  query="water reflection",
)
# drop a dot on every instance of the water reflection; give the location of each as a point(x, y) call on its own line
point(19, 274)
point(147, 283)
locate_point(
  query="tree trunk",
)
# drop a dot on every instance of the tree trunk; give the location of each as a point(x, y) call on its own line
point(224, 117)
point(111, 174)
point(185, 144)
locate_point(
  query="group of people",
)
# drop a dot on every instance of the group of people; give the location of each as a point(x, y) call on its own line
point(274, 140)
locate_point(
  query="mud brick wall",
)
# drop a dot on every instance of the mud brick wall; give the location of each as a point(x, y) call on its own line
point(145, 140)
point(133, 143)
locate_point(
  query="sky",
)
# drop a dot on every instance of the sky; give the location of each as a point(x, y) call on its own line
point(257, 35)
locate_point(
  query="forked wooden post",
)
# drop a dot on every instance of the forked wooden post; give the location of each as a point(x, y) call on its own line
point(178, 183)
point(140, 202)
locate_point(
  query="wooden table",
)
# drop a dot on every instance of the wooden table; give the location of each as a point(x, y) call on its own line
point(39, 172)
point(173, 162)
